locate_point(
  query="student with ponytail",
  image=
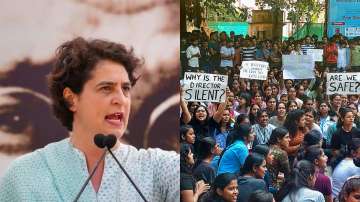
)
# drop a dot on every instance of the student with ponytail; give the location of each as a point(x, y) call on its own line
point(269, 158)
point(233, 157)
point(316, 155)
point(298, 188)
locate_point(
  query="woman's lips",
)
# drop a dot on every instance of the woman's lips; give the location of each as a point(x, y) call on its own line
point(114, 119)
point(114, 122)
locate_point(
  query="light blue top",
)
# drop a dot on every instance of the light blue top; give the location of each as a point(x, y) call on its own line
point(57, 172)
point(233, 158)
point(305, 195)
point(345, 169)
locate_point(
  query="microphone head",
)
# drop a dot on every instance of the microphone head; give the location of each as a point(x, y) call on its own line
point(99, 140)
point(110, 141)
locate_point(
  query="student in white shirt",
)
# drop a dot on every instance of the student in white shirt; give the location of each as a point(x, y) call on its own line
point(193, 54)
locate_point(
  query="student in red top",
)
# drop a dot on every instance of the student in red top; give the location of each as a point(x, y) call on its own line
point(331, 55)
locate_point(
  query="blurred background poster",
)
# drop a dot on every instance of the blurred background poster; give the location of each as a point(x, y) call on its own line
point(32, 30)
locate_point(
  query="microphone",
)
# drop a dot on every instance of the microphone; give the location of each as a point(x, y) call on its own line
point(105, 141)
point(109, 140)
point(101, 141)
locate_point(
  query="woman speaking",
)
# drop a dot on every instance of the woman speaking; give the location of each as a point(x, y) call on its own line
point(90, 86)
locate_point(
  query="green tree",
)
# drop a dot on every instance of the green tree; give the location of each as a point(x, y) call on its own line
point(222, 15)
point(298, 10)
point(198, 10)
point(276, 6)
point(305, 11)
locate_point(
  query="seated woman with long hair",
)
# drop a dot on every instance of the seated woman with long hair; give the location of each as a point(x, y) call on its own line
point(279, 119)
point(187, 134)
point(342, 138)
point(253, 173)
point(233, 157)
point(254, 108)
point(295, 124)
point(224, 189)
point(269, 158)
point(189, 190)
point(298, 188)
point(316, 155)
point(279, 140)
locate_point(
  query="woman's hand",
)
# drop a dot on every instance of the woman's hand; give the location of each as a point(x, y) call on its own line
point(201, 187)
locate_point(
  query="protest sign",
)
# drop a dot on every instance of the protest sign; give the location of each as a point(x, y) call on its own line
point(316, 53)
point(298, 67)
point(256, 70)
point(343, 83)
point(203, 87)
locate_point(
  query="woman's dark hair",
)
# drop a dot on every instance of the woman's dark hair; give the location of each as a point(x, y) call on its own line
point(354, 146)
point(246, 97)
point(312, 111)
point(190, 104)
point(284, 95)
point(228, 124)
point(240, 132)
point(223, 180)
point(260, 94)
point(184, 152)
point(271, 97)
point(253, 82)
point(260, 113)
point(347, 151)
point(206, 110)
point(313, 137)
point(252, 117)
point(355, 106)
point(289, 103)
point(262, 149)
point(306, 98)
point(297, 87)
point(75, 61)
point(333, 96)
point(323, 102)
point(342, 111)
point(299, 178)
point(312, 153)
point(240, 119)
point(183, 130)
point(261, 196)
point(252, 160)
point(352, 184)
point(277, 134)
point(291, 120)
point(220, 182)
point(205, 146)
